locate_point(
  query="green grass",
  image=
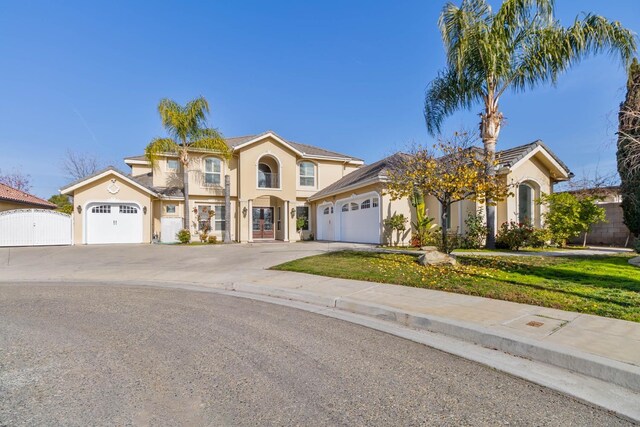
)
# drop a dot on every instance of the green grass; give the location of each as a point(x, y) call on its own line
point(602, 285)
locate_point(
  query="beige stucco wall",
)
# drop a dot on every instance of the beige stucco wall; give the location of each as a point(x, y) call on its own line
point(7, 206)
point(140, 170)
point(97, 192)
point(535, 174)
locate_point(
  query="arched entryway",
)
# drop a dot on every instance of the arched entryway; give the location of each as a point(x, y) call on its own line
point(269, 219)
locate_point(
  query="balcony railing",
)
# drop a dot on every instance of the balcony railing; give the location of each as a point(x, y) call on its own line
point(268, 180)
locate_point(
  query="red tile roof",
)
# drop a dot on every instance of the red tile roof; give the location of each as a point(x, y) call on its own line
point(12, 195)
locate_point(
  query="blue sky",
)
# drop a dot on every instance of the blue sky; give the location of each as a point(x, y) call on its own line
point(347, 76)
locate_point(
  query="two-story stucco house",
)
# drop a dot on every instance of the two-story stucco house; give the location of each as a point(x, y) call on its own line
point(273, 182)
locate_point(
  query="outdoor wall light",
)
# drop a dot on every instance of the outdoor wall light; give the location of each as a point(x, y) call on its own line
point(144, 210)
point(79, 209)
point(293, 212)
point(244, 212)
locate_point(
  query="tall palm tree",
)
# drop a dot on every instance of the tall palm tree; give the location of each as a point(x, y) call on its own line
point(188, 132)
point(518, 47)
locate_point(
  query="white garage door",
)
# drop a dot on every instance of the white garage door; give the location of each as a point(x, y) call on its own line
point(325, 220)
point(109, 222)
point(360, 220)
point(34, 227)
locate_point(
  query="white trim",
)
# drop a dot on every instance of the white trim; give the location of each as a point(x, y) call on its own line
point(290, 147)
point(137, 162)
point(102, 175)
point(266, 135)
point(369, 181)
point(540, 149)
point(112, 202)
point(203, 165)
point(316, 169)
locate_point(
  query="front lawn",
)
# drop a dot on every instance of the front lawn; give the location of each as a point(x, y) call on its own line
point(601, 285)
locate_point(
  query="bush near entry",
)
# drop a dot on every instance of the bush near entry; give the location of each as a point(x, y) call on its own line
point(183, 236)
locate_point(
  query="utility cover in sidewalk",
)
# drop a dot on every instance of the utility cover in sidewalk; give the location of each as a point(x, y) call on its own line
point(535, 326)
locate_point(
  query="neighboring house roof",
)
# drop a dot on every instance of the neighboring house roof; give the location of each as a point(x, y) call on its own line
point(370, 174)
point(11, 194)
point(238, 142)
point(377, 172)
point(102, 173)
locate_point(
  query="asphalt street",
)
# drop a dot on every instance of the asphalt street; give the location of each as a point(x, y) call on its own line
point(122, 355)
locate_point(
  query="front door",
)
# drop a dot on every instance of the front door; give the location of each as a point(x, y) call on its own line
point(263, 223)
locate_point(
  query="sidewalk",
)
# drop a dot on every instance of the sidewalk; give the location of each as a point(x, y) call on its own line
point(608, 349)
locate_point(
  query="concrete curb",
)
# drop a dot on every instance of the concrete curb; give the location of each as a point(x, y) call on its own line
point(612, 371)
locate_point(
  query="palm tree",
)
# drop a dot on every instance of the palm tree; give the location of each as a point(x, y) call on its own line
point(518, 47)
point(188, 131)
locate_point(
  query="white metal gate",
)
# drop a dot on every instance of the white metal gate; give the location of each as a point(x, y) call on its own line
point(35, 227)
point(169, 227)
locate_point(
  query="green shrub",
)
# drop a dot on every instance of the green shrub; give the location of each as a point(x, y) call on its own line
point(212, 240)
point(453, 241)
point(476, 232)
point(513, 235)
point(183, 236)
point(397, 223)
point(539, 238)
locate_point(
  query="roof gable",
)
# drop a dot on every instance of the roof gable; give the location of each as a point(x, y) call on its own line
point(101, 174)
point(303, 150)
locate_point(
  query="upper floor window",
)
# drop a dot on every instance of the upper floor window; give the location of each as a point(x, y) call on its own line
point(212, 171)
point(307, 174)
point(267, 178)
point(172, 165)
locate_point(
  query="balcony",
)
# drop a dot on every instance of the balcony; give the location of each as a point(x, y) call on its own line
point(268, 180)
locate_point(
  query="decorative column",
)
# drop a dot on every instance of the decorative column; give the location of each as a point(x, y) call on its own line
point(286, 221)
point(250, 216)
point(227, 209)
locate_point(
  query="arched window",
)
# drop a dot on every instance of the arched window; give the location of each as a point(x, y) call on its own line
point(345, 207)
point(307, 174)
point(366, 204)
point(268, 167)
point(264, 175)
point(212, 171)
point(326, 211)
point(525, 204)
point(354, 206)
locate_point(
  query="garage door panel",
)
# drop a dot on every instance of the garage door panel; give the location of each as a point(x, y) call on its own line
point(113, 222)
point(358, 224)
